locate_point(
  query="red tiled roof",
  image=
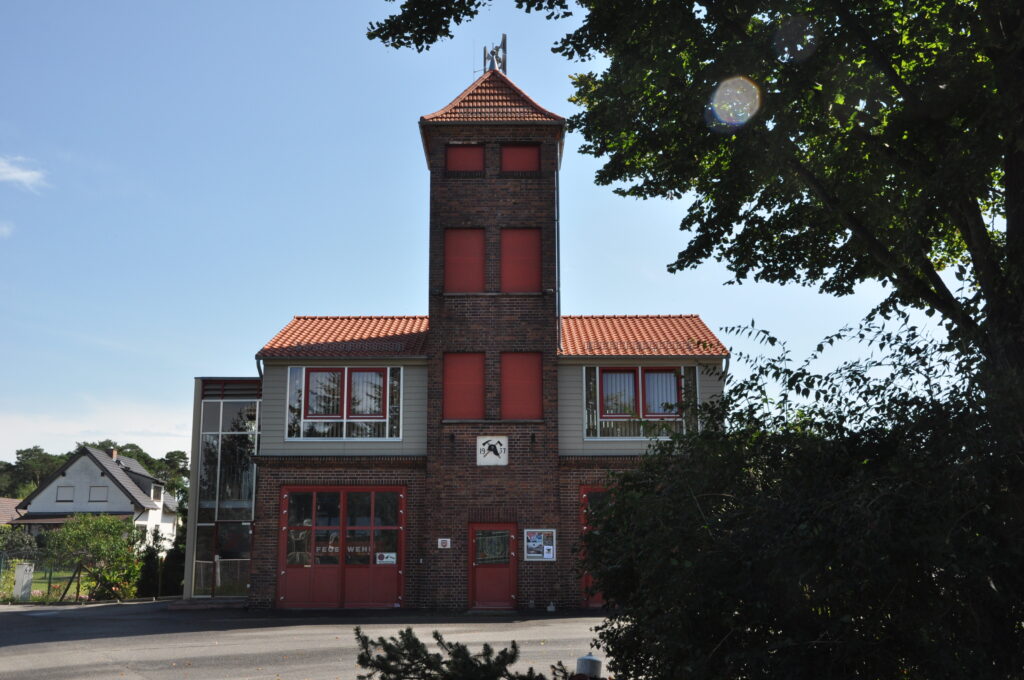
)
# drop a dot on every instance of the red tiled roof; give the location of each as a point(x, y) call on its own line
point(492, 98)
point(328, 337)
point(618, 336)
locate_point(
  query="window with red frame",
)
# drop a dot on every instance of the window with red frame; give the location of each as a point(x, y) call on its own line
point(463, 386)
point(464, 260)
point(632, 392)
point(521, 386)
point(366, 395)
point(464, 158)
point(520, 261)
point(520, 158)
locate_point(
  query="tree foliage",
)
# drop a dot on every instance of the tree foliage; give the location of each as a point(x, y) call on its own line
point(869, 140)
point(109, 549)
point(871, 533)
point(407, 658)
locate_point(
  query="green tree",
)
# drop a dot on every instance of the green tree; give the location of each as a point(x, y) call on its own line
point(407, 658)
point(868, 534)
point(17, 542)
point(31, 467)
point(108, 549)
point(865, 140)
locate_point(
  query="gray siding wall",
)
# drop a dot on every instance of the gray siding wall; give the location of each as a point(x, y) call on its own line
point(414, 416)
point(570, 408)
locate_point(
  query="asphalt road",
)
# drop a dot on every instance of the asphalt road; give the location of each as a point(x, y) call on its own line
point(150, 641)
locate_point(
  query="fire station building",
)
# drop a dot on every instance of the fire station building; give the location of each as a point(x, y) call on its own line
point(441, 461)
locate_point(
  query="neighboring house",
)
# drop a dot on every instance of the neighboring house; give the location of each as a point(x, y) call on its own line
point(442, 461)
point(8, 509)
point(99, 483)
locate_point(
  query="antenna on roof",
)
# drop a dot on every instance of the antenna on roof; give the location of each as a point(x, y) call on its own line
point(496, 58)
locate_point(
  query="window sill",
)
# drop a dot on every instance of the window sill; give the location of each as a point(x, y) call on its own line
point(491, 421)
point(494, 294)
point(463, 174)
point(520, 174)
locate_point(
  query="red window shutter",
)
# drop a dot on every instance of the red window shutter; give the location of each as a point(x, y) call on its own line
point(463, 386)
point(520, 261)
point(464, 260)
point(521, 386)
point(464, 158)
point(520, 158)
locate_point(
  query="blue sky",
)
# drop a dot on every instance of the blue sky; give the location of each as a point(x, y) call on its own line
point(177, 179)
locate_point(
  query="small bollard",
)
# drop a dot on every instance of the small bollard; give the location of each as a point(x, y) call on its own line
point(588, 666)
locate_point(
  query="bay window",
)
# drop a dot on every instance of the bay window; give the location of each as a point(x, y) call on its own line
point(637, 402)
point(344, 402)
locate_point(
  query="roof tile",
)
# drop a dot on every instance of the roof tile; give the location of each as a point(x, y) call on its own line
point(492, 98)
point(328, 337)
point(679, 335)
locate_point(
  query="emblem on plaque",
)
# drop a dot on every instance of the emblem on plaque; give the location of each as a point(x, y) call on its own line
point(492, 450)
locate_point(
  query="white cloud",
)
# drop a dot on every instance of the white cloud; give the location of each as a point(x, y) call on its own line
point(155, 427)
point(13, 170)
point(6, 229)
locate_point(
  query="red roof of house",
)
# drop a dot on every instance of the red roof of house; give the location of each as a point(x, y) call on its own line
point(620, 336)
point(492, 98)
point(329, 337)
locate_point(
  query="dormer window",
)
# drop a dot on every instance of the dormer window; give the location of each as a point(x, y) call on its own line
point(344, 402)
point(637, 402)
point(158, 493)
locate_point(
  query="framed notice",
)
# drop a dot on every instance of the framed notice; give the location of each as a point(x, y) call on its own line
point(540, 545)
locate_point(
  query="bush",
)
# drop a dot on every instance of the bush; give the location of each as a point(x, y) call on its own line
point(108, 549)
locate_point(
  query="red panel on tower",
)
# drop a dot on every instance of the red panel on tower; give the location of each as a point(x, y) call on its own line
point(465, 158)
point(520, 261)
point(463, 386)
point(520, 158)
point(521, 386)
point(464, 260)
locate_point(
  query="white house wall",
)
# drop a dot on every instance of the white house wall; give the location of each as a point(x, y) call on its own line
point(81, 474)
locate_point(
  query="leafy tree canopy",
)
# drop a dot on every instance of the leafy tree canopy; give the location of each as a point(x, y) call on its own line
point(825, 142)
point(108, 548)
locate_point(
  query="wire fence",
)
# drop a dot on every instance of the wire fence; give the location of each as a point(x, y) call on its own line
point(51, 580)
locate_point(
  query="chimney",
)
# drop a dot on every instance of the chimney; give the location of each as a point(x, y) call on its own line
point(113, 453)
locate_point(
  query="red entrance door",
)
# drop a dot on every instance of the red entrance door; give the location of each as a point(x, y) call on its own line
point(591, 497)
point(492, 566)
point(311, 549)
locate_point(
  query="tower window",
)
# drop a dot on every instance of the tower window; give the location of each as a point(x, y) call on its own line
point(463, 386)
point(464, 158)
point(520, 158)
point(520, 261)
point(521, 386)
point(464, 260)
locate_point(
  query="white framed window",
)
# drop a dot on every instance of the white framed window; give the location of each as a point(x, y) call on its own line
point(638, 402)
point(344, 402)
point(98, 494)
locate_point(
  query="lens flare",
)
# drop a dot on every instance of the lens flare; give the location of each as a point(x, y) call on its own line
point(795, 40)
point(736, 100)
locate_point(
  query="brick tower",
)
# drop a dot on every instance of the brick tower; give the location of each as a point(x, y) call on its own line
point(492, 433)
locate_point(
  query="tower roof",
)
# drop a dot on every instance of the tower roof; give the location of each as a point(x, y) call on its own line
point(493, 98)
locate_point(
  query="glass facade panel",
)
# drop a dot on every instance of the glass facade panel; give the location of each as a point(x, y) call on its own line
point(357, 546)
point(211, 416)
point(237, 477)
point(204, 542)
point(238, 416)
point(202, 579)
point(372, 430)
point(234, 541)
point(207, 492)
point(590, 395)
point(232, 578)
point(332, 430)
point(300, 508)
point(357, 511)
point(690, 398)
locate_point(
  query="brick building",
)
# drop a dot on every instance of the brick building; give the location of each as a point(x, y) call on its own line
point(443, 461)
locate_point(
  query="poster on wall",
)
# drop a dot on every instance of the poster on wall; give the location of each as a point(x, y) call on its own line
point(540, 545)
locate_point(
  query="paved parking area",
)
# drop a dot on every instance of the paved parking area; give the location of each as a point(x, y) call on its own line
point(150, 641)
